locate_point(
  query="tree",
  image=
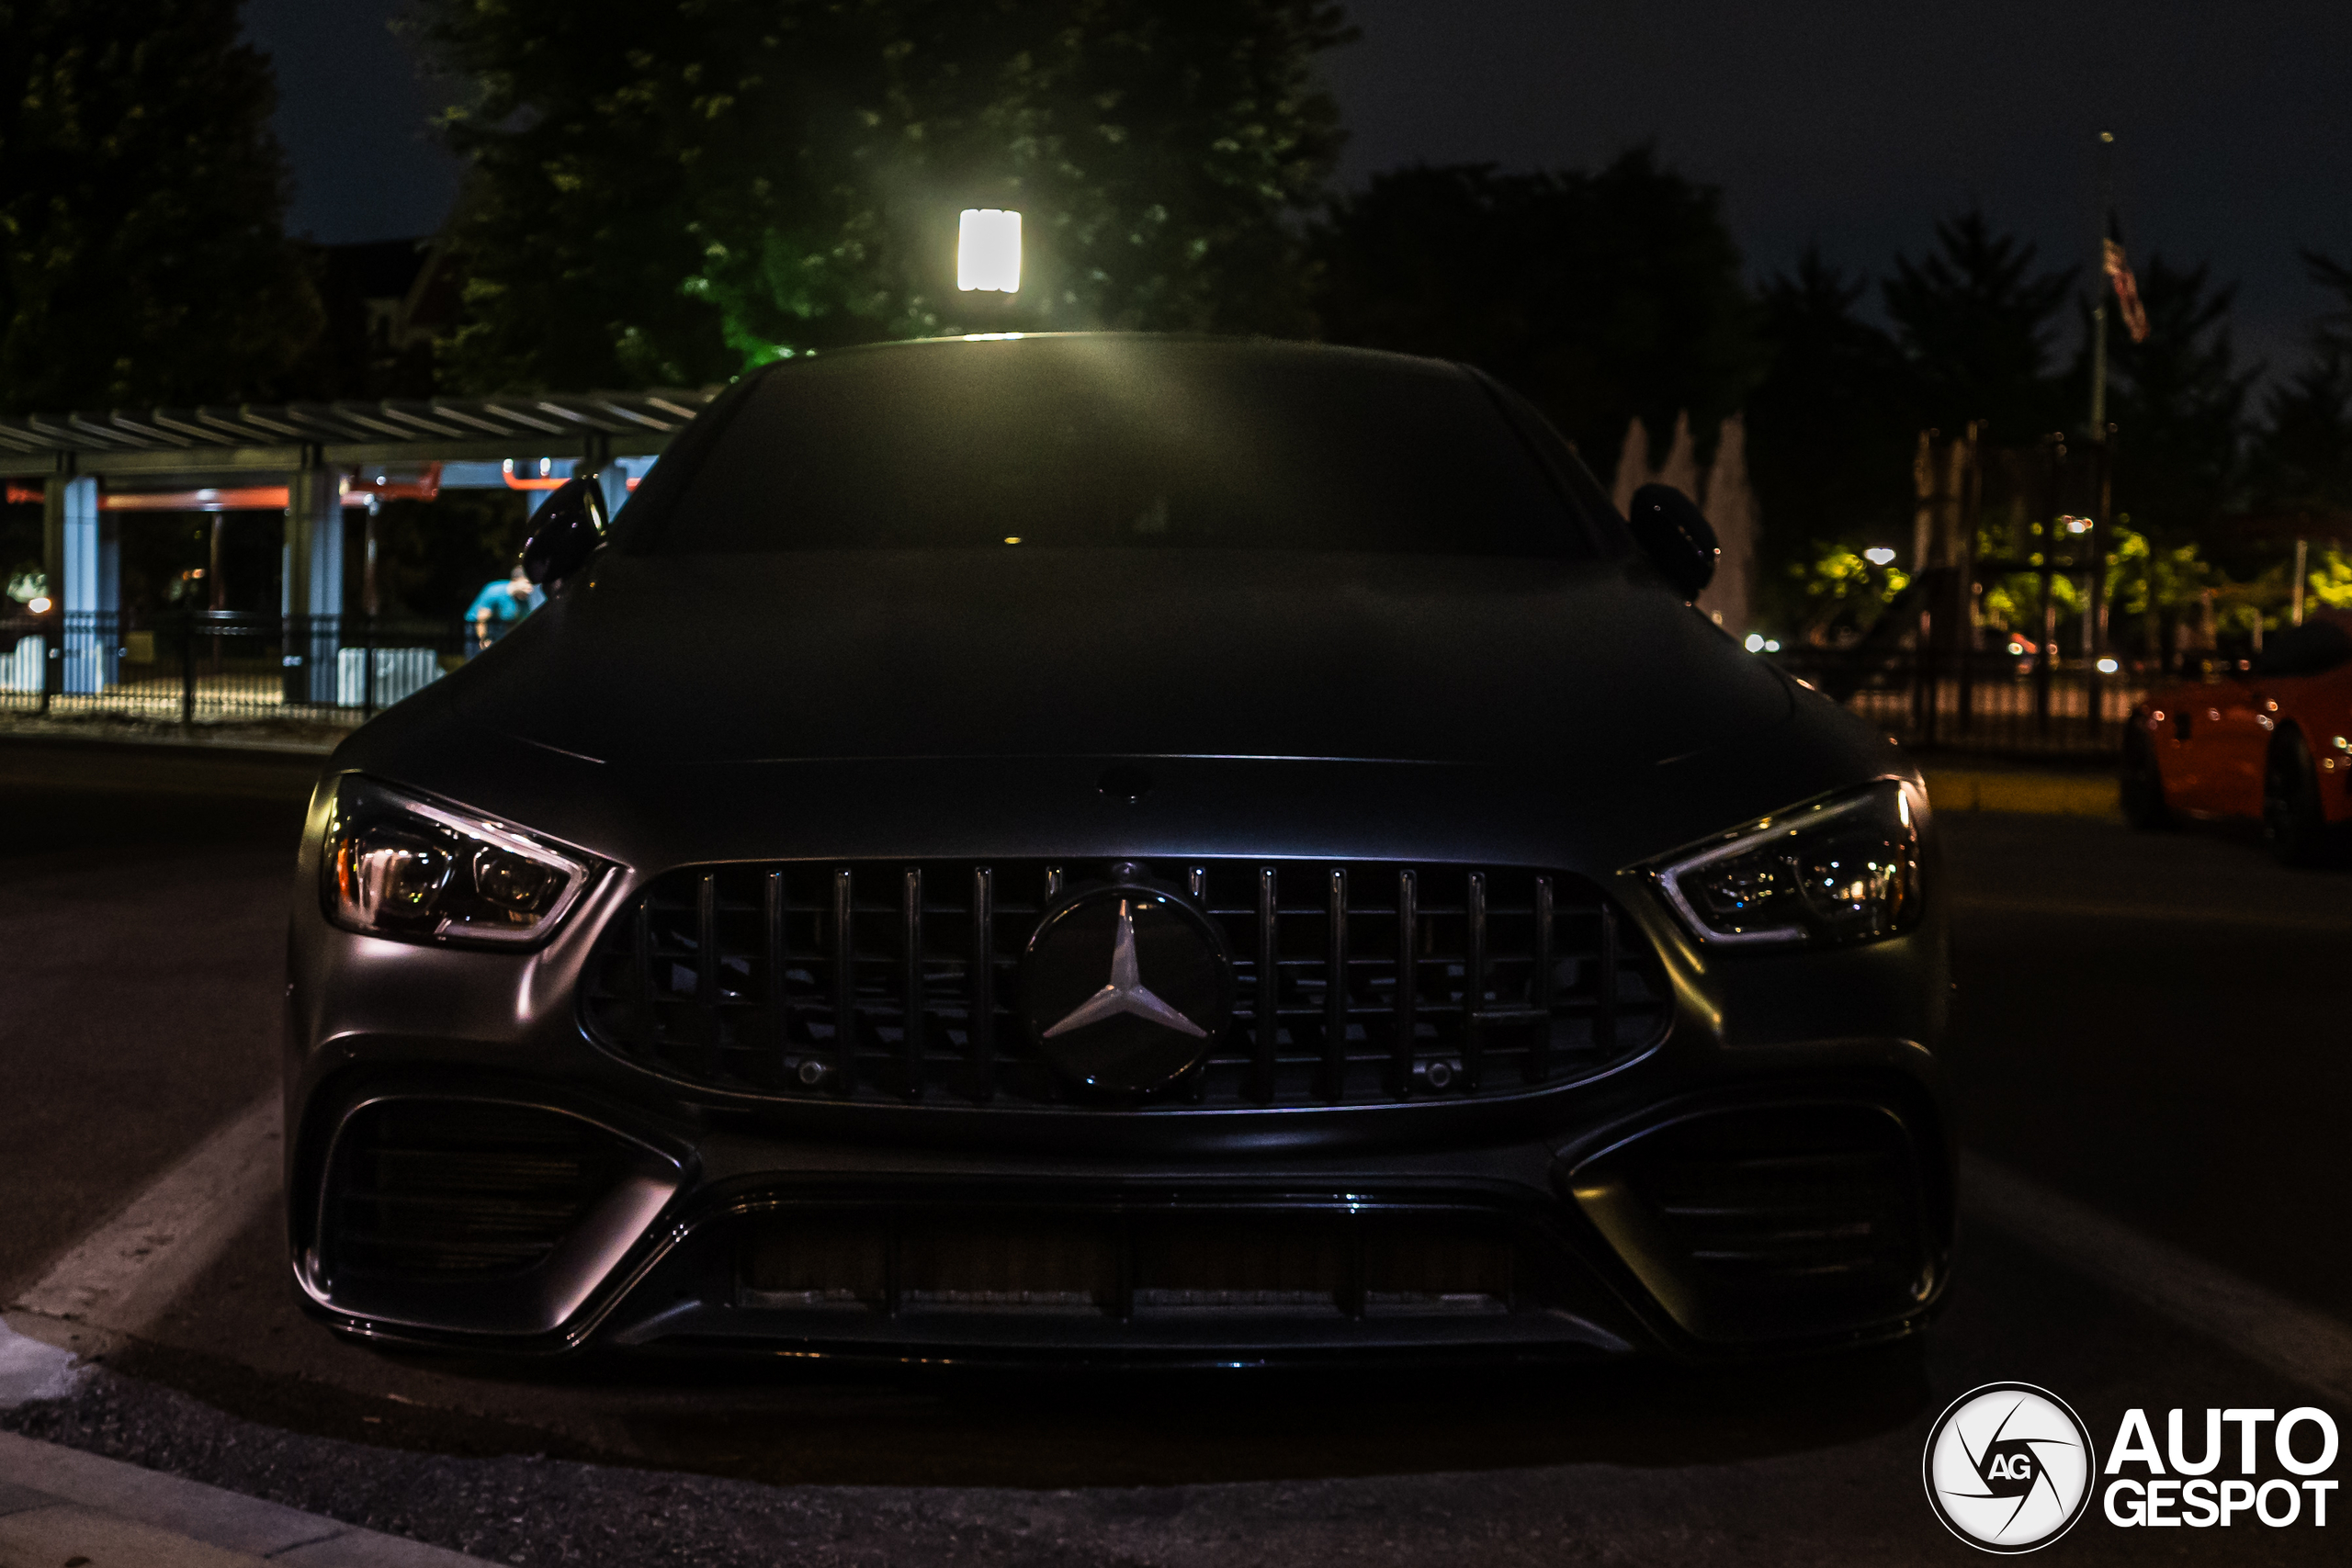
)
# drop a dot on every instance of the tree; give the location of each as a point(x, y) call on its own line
point(672, 193)
point(2178, 400)
point(142, 258)
point(1599, 296)
point(1831, 426)
point(2304, 453)
point(1973, 319)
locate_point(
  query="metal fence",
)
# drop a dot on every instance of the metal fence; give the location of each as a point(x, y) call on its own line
point(1981, 702)
point(209, 666)
point(339, 669)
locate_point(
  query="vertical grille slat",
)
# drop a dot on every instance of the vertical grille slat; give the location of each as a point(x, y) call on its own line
point(895, 980)
point(1474, 984)
point(1269, 987)
point(980, 992)
point(707, 939)
point(1605, 1016)
point(845, 1063)
point(1335, 990)
point(1409, 925)
point(773, 908)
point(1539, 997)
point(911, 996)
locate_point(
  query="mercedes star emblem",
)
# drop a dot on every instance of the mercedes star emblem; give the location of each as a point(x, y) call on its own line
point(1167, 998)
point(1125, 993)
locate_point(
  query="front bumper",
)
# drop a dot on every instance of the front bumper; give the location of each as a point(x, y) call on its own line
point(1786, 1213)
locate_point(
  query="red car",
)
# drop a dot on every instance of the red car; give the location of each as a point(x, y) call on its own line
point(2274, 743)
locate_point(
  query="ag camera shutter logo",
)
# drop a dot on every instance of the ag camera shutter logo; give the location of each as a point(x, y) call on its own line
point(2009, 1466)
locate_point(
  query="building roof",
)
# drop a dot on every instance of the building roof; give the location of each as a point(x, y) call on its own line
point(276, 438)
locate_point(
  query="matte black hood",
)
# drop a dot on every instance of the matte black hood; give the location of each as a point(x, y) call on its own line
point(1018, 652)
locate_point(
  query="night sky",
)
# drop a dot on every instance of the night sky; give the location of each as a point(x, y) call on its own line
point(1855, 126)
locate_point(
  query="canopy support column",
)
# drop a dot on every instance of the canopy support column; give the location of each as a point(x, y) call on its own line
point(85, 565)
point(311, 598)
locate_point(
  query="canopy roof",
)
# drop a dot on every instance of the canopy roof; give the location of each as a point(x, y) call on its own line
point(252, 438)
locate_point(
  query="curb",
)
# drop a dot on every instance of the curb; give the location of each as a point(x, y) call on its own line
point(2047, 795)
point(59, 1504)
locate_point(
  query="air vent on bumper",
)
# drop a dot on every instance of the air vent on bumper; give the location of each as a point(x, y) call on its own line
point(1782, 1222)
point(478, 1215)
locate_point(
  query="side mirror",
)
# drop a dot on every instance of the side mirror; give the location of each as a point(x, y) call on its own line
point(565, 531)
point(1679, 540)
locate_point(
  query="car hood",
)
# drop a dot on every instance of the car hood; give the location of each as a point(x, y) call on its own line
point(879, 654)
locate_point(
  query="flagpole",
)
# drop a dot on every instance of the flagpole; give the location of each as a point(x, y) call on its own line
point(2098, 285)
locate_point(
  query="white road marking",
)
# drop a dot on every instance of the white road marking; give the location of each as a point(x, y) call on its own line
point(2088, 910)
point(31, 1369)
point(2304, 1345)
point(122, 1275)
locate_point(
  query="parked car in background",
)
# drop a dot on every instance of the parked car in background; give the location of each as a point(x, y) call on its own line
point(2271, 743)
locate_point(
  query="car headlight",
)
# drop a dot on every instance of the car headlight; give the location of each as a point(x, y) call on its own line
point(397, 866)
point(1844, 868)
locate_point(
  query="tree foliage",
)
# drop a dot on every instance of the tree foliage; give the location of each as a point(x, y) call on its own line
point(1976, 321)
point(1831, 428)
point(2178, 402)
point(1598, 296)
point(671, 193)
point(142, 258)
point(2303, 452)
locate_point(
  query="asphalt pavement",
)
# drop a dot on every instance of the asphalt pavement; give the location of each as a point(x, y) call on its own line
point(2151, 1027)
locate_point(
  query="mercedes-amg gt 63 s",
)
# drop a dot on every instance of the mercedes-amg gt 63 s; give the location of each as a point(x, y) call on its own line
point(1138, 848)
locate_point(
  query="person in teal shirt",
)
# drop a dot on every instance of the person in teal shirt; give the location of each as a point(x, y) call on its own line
point(499, 605)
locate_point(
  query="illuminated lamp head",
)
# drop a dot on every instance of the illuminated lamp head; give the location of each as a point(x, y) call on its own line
point(987, 250)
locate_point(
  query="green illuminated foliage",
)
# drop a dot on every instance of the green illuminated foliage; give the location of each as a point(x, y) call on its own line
point(671, 194)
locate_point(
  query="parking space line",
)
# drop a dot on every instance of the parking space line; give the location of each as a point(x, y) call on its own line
point(2306, 1346)
point(124, 1274)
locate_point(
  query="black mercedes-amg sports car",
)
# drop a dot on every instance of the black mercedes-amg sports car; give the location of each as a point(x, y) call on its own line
point(1151, 848)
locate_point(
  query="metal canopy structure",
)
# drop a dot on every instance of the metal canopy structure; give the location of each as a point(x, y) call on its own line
point(306, 461)
point(146, 445)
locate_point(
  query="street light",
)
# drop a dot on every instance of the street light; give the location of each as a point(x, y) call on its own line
point(987, 250)
point(1879, 555)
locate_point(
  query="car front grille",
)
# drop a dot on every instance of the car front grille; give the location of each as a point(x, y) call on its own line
point(1356, 982)
point(446, 1189)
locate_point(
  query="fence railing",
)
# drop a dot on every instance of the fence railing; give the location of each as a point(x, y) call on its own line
point(209, 666)
point(1981, 701)
point(216, 665)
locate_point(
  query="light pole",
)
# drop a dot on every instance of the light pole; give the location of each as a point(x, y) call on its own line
point(2106, 205)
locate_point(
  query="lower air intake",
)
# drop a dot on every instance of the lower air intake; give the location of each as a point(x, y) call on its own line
point(1141, 1265)
point(1772, 1221)
point(444, 1189)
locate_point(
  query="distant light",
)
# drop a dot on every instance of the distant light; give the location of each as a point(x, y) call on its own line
point(1879, 555)
point(987, 250)
point(991, 337)
point(2109, 667)
point(38, 603)
point(1755, 642)
point(1770, 646)
point(1012, 538)
point(2079, 525)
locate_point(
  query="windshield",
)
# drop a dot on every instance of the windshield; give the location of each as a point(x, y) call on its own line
point(1097, 441)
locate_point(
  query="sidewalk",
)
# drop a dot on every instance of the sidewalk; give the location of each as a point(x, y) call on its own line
point(2043, 792)
point(60, 1506)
